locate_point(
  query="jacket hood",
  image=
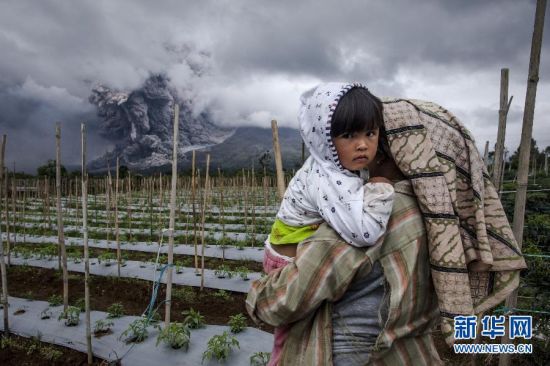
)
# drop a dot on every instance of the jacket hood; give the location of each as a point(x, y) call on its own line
point(315, 116)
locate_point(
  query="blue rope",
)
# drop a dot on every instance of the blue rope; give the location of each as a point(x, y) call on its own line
point(149, 310)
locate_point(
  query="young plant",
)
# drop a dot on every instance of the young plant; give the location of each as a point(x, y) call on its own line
point(237, 323)
point(193, 319)
point(223, 271)
point(46, 314)
point(186, 294)
point(176, 335)
point(81, 304)
point(55, 300)
point(260, 358)
point(136, 331)
point(116, 310)
point(222, 294)
point(71, 316)
point(243, 273)
point(106, 257)
point(219, 347)
point(102, 326)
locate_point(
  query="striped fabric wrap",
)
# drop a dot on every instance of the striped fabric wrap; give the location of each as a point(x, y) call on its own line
point(475, 259)
point(302, 292)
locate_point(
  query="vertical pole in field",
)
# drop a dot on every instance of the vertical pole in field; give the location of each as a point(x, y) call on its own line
point(117, 229)
point(486, 155)
point(203, 214)
point(108, 187)
point(3, 269)
point(85, 239)
point(527, 129)
point(502, 115)
point(129, 208)
point(60, 231)
point(278, 160)
point(7, 214)
point(193, 192)
point(222, 221)
point(172, 216)
point(14, 209)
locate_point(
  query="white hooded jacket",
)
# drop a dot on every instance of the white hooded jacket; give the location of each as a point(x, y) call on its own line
point(322, 189)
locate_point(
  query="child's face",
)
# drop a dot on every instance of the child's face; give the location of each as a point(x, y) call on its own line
point(357, 151)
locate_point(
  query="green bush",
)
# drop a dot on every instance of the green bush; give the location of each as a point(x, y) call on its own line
point(102, 326)
point(71, 316)
point(116, 310)
point(220, 346)
point(55, 300)
point(260, 359)
point(237, 323)
point(193, 319)
point(136, 331)
point(176, 335)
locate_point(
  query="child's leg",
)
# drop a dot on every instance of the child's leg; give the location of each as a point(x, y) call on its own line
point(272, 259)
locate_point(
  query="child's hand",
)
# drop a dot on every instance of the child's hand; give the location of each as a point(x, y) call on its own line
point(379, 180)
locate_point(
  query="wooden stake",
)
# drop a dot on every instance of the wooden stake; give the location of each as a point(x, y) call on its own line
point(502, 115)
point(3, 269)
point(278, 160)
point(7, 214)
point(172, 217)
point(203, 214)
point(117, 229)
point(85, 239)
point(193, 184)
point(526, 133)
point(60, 231)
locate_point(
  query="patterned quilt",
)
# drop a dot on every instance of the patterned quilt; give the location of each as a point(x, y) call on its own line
point(474, 256)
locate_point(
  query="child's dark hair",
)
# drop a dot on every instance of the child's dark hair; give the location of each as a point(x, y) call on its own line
point(359, 110)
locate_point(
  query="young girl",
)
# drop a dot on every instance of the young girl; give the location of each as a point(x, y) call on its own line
point(341, 125)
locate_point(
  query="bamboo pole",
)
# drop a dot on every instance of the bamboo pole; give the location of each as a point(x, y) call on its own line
point(129, 207)
point(486, 154)
point(109, 185)
point(60, 231)
point(502, 116)
point(14, 210)
point(278, 160)
point(174, 183)
point(203, 214)
point(193, 193)
point(526, 133)
point(85, 239)
point(7, 214)
point(3, 269)
point(117, 229)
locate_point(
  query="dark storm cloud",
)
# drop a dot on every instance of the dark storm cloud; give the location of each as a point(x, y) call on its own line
point(247, 62)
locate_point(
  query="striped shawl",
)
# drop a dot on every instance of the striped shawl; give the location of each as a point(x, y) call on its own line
point(475, 260)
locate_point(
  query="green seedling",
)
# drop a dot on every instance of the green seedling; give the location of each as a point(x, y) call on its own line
point(176, 335)
point(116, 310)
point(237, 323)
point(102, 326)
point(260, 358)
point(55, 300)
point(136, 331)
point(219, 347)
point(71, 316)
point(193, 319)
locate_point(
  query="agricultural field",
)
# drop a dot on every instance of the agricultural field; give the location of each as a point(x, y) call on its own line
point(218, 241)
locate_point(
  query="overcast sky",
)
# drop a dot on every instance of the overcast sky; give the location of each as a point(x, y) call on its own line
point(248, 61)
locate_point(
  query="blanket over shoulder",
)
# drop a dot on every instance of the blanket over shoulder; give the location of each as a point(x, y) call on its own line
point(474, 257)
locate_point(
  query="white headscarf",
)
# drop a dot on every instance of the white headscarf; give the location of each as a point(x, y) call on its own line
point(322, 189)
